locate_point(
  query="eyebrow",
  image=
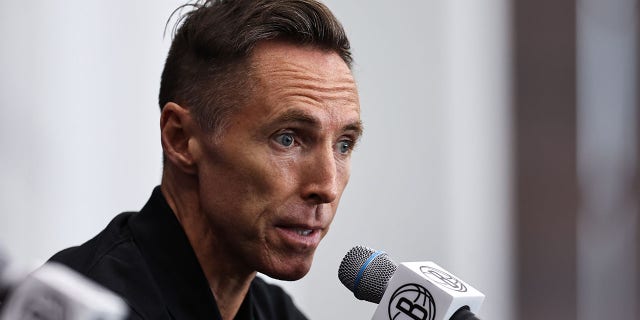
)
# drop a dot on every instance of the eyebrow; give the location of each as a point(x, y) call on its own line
point(357, 126)
point(303, 117)
point(297, 116)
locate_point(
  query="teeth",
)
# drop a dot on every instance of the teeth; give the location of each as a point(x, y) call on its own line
point(303, 232)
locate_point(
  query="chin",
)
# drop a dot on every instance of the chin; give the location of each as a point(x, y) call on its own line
point(289, 271)
point(288, 276)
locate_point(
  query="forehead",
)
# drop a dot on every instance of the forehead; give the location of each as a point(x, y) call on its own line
point(270, 55)
point(293, 75)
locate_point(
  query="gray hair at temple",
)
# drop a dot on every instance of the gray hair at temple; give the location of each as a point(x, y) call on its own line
point(208, 66)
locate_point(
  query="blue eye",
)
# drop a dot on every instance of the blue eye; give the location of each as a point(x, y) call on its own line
point(344, 147)
point(285, 139)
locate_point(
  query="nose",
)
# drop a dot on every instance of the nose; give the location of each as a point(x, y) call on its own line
point(321, 177)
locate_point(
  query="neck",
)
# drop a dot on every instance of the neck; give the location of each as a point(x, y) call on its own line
point(229, 283)
point(229, 294)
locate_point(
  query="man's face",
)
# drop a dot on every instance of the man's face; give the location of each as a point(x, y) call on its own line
point(270, 184)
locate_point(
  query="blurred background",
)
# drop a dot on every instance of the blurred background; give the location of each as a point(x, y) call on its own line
point(501, 142)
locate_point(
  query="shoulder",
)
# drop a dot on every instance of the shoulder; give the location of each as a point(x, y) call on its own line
point(113, 260)
point(272, 302)
point(114, 239)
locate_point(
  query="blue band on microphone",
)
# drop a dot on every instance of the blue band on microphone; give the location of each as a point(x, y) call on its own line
point(361, 271)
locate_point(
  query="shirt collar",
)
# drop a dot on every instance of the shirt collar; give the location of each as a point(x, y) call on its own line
point(172, 261)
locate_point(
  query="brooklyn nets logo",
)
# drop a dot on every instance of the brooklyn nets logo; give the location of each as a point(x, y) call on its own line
point(412, 302)
point(444, 279)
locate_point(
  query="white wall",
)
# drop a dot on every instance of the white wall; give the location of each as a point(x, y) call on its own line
point(430, 181)
point(78, 131)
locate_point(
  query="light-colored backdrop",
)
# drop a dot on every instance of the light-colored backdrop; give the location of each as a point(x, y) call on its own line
point(79, 135)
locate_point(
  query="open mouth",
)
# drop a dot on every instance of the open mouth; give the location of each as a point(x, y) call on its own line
point(297, 236)
point(303, 232)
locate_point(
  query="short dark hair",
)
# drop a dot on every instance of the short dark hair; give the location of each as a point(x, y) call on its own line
point(207, 68)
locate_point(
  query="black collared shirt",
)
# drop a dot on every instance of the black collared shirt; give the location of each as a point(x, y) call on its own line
point(146, 258)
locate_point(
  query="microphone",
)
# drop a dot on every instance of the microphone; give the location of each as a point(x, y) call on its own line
point(408, 291)
point(55, 292)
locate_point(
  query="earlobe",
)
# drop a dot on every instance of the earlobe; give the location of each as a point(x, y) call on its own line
point(177, 132)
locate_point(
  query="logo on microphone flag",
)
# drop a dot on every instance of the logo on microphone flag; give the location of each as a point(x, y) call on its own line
point(443, 278)
point(412, 302)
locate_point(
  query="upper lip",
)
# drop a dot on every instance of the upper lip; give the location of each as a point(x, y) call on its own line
point(303, 219)
point(302, 226)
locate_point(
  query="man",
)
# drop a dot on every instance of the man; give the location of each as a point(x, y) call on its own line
point(259, 115)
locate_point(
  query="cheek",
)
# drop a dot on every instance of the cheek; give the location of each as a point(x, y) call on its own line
point(247, 183)
point(344, 173)
point(268, 176)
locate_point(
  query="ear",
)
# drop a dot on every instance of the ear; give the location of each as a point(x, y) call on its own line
point(177, 130)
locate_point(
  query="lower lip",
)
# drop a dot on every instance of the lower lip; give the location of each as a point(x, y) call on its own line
point(293, 239)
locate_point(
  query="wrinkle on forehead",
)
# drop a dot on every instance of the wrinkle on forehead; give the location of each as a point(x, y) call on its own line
point(306, 76)
point(272, 51)
point(294, 79)
point(316, 92)
point(276, 60)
